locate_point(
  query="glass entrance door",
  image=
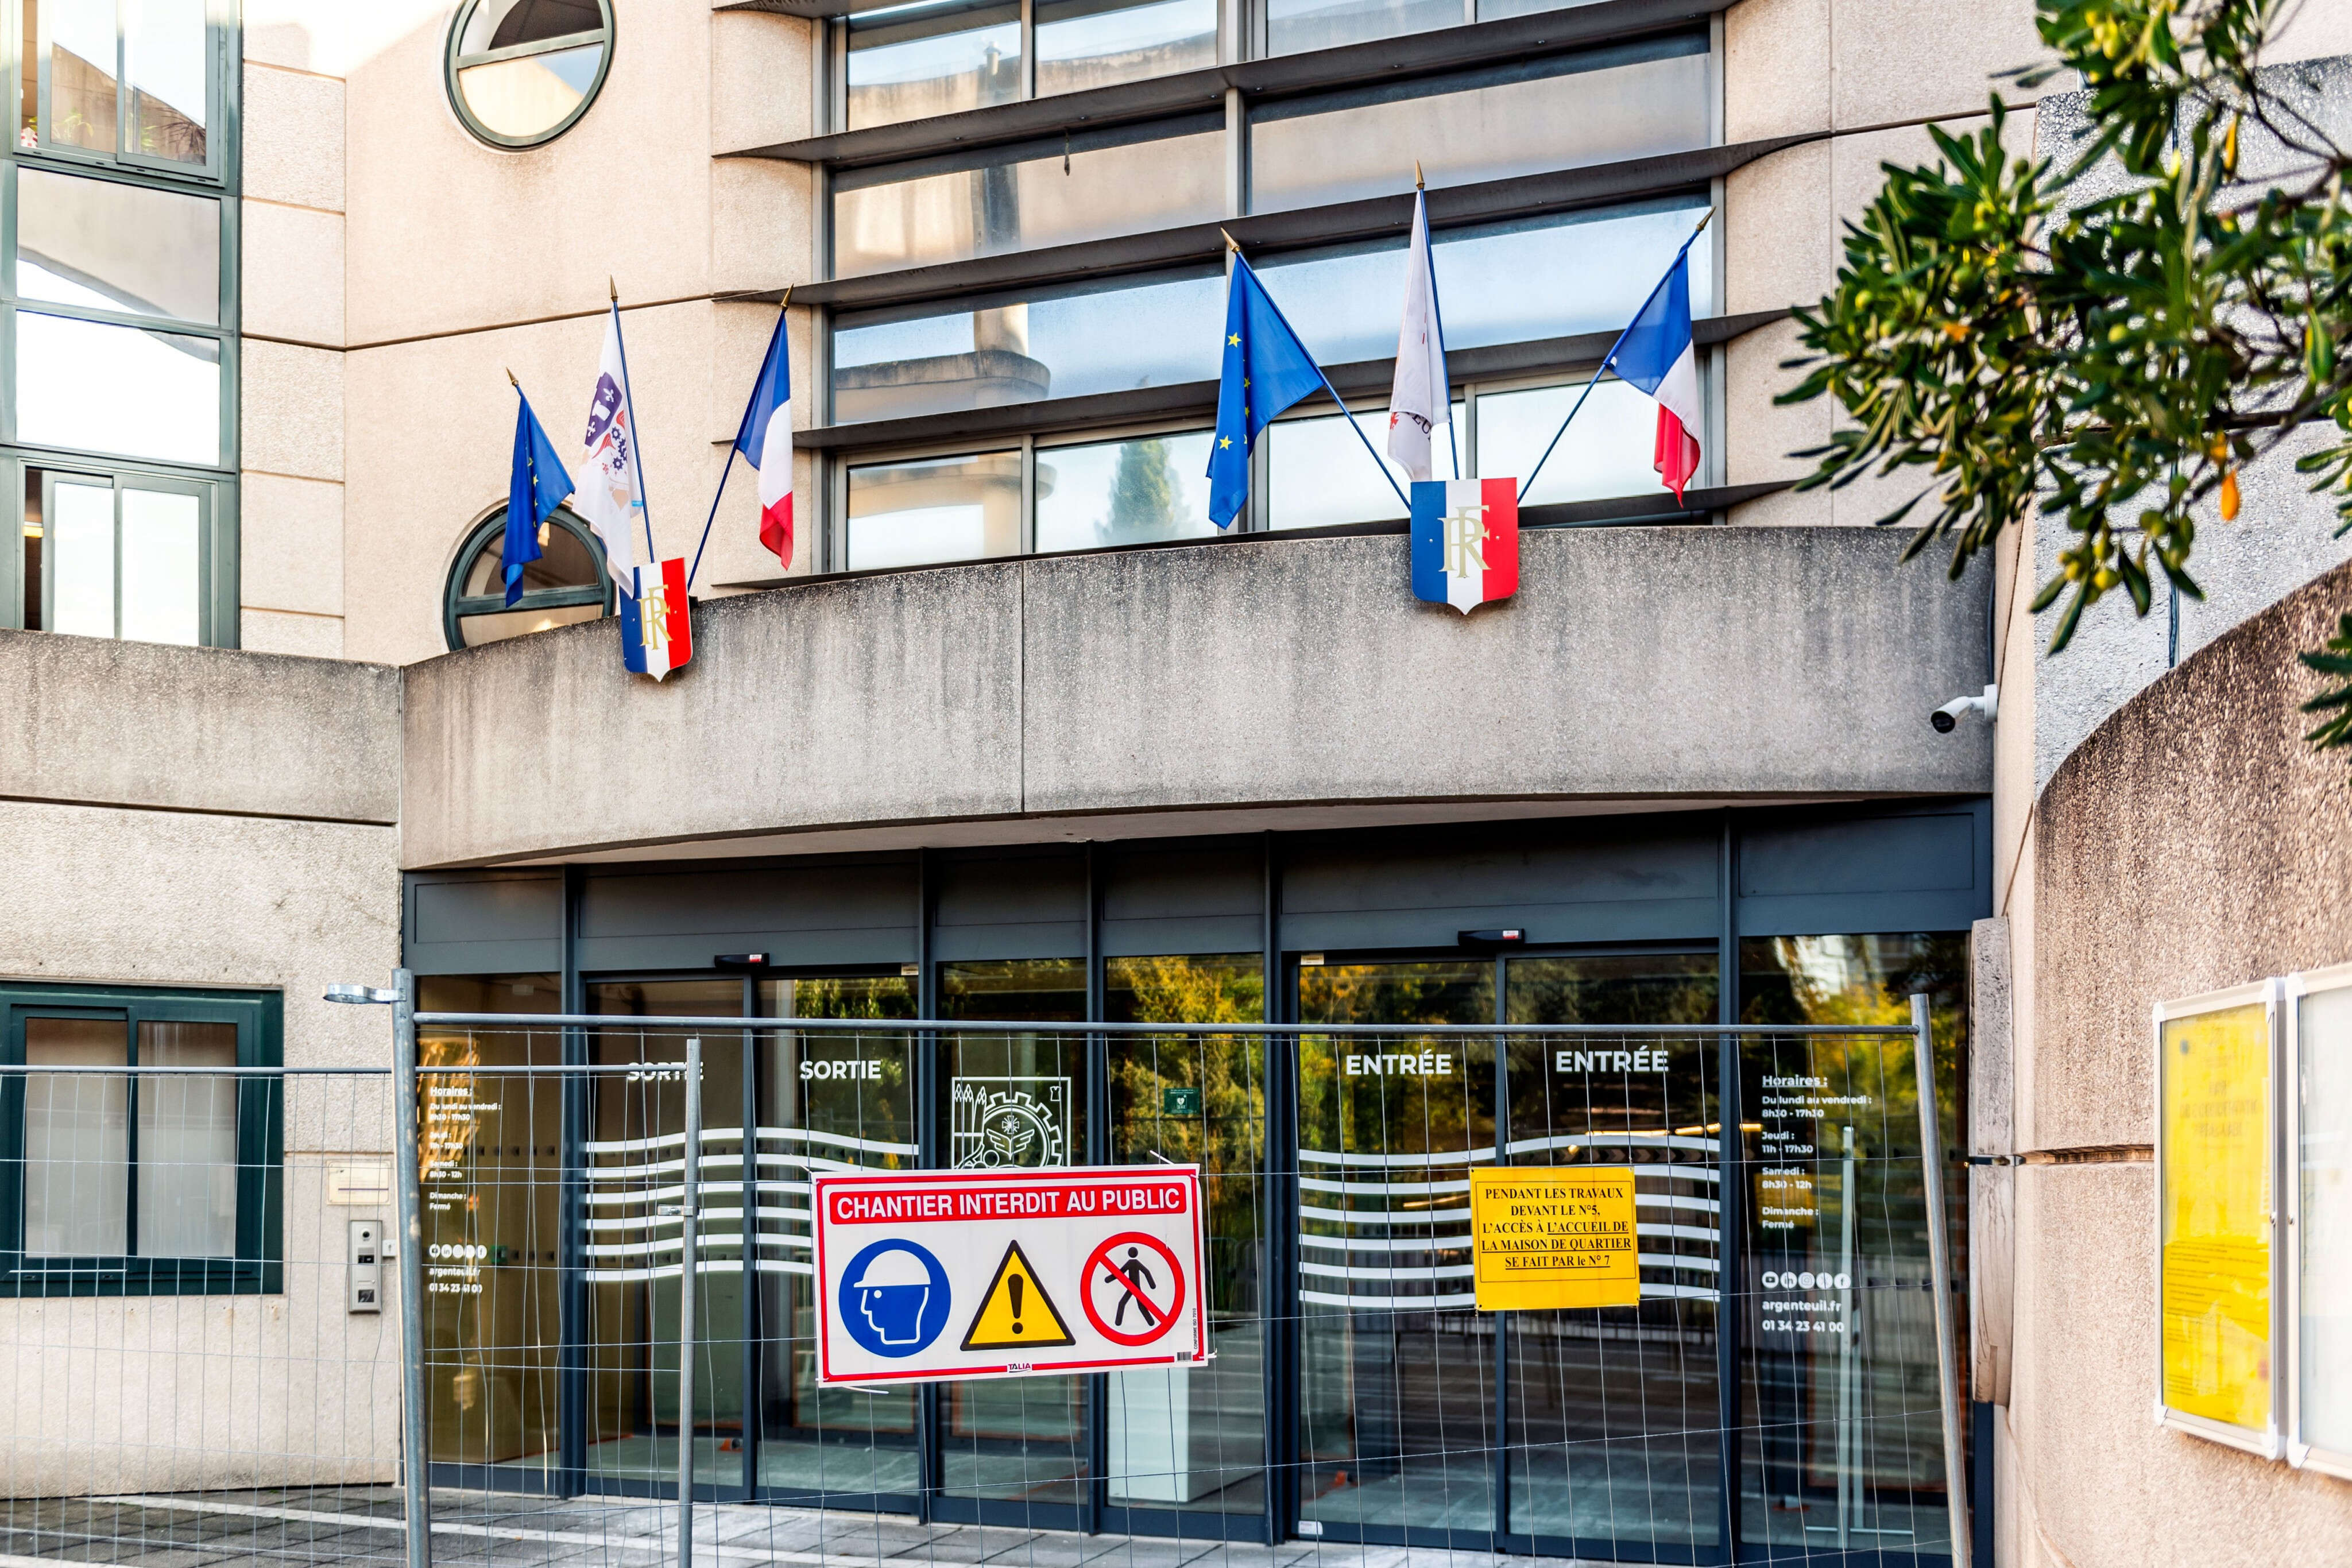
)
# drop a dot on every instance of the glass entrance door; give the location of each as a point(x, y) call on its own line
point(1397, 1412)
point(1613, 1413)
point(635, 1153)
point(1014, 1099)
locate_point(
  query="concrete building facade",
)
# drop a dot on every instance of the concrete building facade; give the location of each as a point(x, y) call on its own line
point(1016, 734)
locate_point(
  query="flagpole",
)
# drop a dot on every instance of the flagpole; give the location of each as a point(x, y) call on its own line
point(1529, 485)
point(1346, 417)
point(733, 446)
point(637, 435)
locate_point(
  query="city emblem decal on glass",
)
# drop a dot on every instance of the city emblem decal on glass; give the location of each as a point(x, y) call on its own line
point(1465, 542)
point(1010, 1122)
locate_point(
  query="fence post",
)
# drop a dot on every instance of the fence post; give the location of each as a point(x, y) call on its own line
point(1940, 1270)
point(415, 1460)
point(690, 1187)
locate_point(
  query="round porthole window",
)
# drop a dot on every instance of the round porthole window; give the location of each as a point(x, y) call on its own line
point(567, 583)
point(521, 71)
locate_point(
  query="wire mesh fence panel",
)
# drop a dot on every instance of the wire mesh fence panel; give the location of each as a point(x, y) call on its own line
point(191, 1367)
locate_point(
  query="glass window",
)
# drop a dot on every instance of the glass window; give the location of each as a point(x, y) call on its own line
point(1528, 119)
point(137, 1181)
point(109, 246)
point(565, 585)
point(493, 1167)
point(1061, 342)
point(932, 59)
point(114, 558)
point(933, 509)
point(1293, 26)
point(97, 387)
point(2322, 1257)
point(1606, 452)
point(1091, 187)
point(1094, 43)
point(1318, 474)
point(521, 71)
point(165, 63)
point(1598, 267)
point(1124, 492)
point(81, 50)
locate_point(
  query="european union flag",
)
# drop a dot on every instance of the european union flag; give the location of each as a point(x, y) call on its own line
point(1266, 369)
point(537, 485)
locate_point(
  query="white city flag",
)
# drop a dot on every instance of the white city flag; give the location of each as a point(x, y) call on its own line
point(1418, 402)
point(607, 488)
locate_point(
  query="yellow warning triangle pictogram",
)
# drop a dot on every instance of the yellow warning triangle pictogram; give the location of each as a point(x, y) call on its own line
point(1016, 1312)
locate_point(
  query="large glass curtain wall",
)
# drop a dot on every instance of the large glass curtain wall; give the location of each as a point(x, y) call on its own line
point(119, 300)
point(1355, 1393)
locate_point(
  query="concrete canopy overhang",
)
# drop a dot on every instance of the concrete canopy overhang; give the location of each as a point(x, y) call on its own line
point(1252, 682)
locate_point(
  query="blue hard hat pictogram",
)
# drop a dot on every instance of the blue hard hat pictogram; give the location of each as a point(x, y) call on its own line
point(894, 1298)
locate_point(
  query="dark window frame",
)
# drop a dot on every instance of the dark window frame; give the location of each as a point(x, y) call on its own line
point(457, 605)
point(255, 1269)
point(452, 62)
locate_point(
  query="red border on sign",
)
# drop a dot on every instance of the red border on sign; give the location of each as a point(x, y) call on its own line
point(1190, 1174)
point(1102, 1255)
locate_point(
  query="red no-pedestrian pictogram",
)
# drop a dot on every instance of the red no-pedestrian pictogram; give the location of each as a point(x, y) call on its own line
point(1130, 1274)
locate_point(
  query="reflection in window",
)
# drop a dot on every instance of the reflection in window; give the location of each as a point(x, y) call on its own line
point(77, 1139)
point(107, 245)
point(1598, 267)
point(565, 585)
point(1319, 475)
point(1201, 987)
point(165, 59)
point(1605, 453)
point(1095, 43)
point(1124, 492)
point(523, 70)
point(1067, 342)
point(1293, 26)
point(103, 387)
point(1559, 113)
point(1643, 988)
point(1083, 188)
point(933, 59)
point(934, 509)
point(102, 560)
point(82, 73)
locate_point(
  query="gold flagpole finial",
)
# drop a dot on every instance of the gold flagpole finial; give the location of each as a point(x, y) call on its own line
point(1704, 219)
point(786, 302)
point(1230, 244)
point(510, 379)
point(614, 287)
point(1418, 183)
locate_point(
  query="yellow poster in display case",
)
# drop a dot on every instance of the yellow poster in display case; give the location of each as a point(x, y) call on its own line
point(2216, 1086)
point(1548, 1236)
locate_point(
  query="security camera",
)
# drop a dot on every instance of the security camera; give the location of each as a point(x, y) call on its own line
point(1947, 718)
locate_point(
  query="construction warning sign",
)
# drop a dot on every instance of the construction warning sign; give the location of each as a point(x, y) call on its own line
point(1552, 1236)
point(930, 1275)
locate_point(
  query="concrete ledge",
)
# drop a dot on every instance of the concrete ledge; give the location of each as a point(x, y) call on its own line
point(1674, 666)
point(93, 722)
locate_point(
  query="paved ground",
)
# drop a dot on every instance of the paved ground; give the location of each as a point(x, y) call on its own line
point(360, 1527)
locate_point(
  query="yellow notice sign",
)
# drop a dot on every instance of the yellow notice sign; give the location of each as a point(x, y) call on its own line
point(1558, 1235)
point(1015, 1314)
point(2215, 1206)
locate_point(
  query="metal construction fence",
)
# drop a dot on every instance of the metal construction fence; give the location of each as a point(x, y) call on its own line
point(243, 1299)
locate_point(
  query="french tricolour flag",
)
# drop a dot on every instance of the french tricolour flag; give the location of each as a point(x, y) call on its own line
point(766, 442)
point(1656, 357)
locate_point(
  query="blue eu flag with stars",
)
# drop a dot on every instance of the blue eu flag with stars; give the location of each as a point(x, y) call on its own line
point(1266, 369)
point(535, 487)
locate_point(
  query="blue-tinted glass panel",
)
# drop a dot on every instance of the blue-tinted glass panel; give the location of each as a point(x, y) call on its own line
point(1068, 343)
point(934, 509)
point(1094, 43)
point(1544, 115)
point(936, 59)
point(1124, 492)
point(1292, 25)
point(1060, 197)
point(1535, 278)
point(1605, 451)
